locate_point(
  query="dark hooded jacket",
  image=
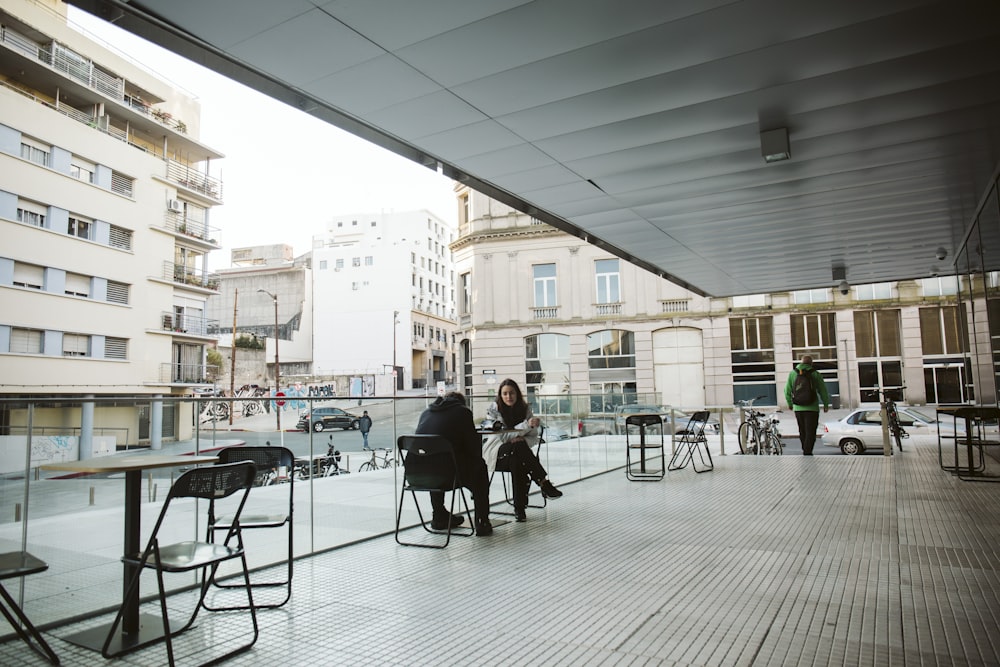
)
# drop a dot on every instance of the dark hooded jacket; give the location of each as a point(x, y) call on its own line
point(448, 416)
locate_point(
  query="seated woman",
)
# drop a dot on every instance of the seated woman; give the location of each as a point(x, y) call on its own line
point(512, 412)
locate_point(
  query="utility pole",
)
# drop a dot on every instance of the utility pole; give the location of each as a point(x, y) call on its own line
point(277, 368)
point(232, 360)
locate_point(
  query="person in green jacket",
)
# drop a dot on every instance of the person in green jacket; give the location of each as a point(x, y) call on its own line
point(807, 412)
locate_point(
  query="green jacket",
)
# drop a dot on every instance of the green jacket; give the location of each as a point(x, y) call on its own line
point(818, 385)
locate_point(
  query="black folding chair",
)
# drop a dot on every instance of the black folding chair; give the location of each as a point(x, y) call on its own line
point(691, 442)
point(266, 459)
point(211, 483)
point(21, 564)
point(429, 465)
point(503, 467)
point(640, 425)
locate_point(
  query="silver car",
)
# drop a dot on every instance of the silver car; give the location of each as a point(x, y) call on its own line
point(862, 429)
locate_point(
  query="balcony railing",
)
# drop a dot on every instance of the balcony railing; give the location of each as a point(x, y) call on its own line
point(185, 275)
point(545, 313)
point(196, 374)
point(193, 179)
point(187, 324)
point(608, 309)
point(196, 229)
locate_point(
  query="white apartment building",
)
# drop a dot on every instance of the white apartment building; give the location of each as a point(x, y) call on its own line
point(563, 317)
point(383, 295)
point(105, 199)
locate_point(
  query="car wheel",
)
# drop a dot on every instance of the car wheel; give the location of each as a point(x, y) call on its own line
point(354, 425)
point(851, 447)
point(318, 427)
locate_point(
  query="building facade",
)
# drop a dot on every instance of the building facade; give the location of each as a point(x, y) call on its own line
point(105, 200)
point(383, 286)
point(567, 318)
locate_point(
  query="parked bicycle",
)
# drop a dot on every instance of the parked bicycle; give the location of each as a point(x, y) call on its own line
point(888, 404)
point(381, 458)
point(758, 433)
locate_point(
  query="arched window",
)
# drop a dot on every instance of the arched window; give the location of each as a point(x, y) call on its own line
point(547, 373)
point(611, 362)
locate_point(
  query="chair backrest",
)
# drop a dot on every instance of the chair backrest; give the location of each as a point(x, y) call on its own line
point(428, 462)
point(696, 425)
point(279, 459)
point(214, 482)
point(644, 420)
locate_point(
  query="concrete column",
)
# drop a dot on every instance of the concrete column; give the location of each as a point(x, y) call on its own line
point(156, 423)
point(87, 428)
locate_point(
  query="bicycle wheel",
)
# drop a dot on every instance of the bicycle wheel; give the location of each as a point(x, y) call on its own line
point(774, 445)
point(366, 466)
point(895, 429)
point(749, 439)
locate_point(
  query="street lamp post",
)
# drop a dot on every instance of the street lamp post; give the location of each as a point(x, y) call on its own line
point(277, 367)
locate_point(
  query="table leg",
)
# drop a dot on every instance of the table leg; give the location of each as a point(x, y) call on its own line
point(136, 630)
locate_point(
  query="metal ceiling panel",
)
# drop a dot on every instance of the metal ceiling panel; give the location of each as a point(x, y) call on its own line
point(636, 124)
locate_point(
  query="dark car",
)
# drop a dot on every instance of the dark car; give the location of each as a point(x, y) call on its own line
point(324, 418)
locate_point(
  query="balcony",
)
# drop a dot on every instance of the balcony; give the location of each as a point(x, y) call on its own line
point(185, 275)
point(183, 323)
point(545, 313)
point(608, 309)
point(194, 181)
point(187, 374)
point(187, 229)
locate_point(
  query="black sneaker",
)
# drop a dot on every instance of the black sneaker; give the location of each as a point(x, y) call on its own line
point(484, 528)
point(519, 515)
point(441, 522)
point(550, 491)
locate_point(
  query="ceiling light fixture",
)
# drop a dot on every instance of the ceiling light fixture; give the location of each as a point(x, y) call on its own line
point(774, 145)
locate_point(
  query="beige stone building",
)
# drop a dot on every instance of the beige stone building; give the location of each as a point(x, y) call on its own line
point(564, 317)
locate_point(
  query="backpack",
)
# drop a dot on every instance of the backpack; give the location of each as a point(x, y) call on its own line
point(802, 391)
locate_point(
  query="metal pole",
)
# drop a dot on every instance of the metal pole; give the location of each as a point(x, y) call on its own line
point(232, 364)
point(277, 371)
point(847, 375)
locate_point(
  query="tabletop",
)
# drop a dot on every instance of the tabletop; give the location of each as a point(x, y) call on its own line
point(127, 463)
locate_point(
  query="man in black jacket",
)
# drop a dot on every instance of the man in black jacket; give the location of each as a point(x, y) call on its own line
point(449, 417)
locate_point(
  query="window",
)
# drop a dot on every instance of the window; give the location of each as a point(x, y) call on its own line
point(79, 227)
point(545, 285)
point(115, 348)
point(85, 174)
point(611, 362)
point(120, 238)
point(355, 286)
point(339, 264)
point(547, 373)
point(815, 335)
point(77, 285)
point(608, 281)
point(76, 345)
point(940, 331)
point(807, 296)
point(34, 152)
point(873, 291)
point(941, 286)
point(465, 294)
point(118, 292)
point(879, 351)
point(322, 265)
point(25, 341)
point(750, 301)
point(356, 261)
point(751, 340)
point(29, 275)
point(369, 260)
point(31, 217)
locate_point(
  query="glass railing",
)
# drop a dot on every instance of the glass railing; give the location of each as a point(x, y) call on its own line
point(74, 521)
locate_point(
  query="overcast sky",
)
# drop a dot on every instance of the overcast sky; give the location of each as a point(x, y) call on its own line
point(285, 173)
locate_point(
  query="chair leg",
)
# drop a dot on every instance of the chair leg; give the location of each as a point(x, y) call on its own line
point(287, 583)
point(13, 615)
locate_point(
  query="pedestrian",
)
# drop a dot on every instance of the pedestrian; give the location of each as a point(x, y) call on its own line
point(365, 424)
point(804, 390)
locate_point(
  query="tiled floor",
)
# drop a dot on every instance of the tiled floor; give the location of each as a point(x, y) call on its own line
point(790, 560)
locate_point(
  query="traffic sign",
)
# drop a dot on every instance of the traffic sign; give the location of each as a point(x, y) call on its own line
point(280, 395)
